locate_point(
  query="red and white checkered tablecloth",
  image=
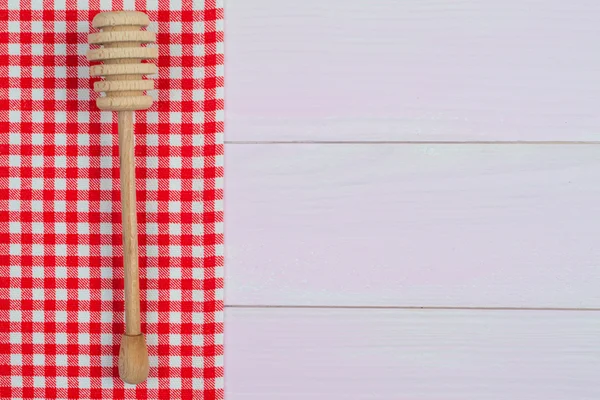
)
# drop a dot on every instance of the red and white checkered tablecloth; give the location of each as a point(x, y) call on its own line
point(61, 277)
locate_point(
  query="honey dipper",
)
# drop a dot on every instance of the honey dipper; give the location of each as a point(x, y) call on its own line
point(121, 38)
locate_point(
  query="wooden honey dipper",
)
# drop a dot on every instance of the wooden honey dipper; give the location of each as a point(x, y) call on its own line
point(122, 53)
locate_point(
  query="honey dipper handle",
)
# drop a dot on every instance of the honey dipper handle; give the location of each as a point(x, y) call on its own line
point(130, 237)
point(133, 354)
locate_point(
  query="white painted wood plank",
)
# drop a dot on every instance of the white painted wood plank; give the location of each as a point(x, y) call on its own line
point(424, 70)
point(413, 225)
point(284, 354)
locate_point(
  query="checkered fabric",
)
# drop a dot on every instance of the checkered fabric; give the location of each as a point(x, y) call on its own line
point(61, 276)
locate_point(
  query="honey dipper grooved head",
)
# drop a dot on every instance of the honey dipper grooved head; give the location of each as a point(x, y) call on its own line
point(122, 52)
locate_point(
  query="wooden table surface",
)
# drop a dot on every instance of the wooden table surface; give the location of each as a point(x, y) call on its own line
point(412, 200)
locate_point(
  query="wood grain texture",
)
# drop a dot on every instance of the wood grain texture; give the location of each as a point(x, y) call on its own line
point(282, 354)
point(413, 225)
point(122, 36)
point(133, 359)
point(123, 52)
point(115, 86)
point(121, 41)
point(129, 218)
point(124, 104)
point(433, 70)
point(123, 69)
point(120, 18)
point(115, 53)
